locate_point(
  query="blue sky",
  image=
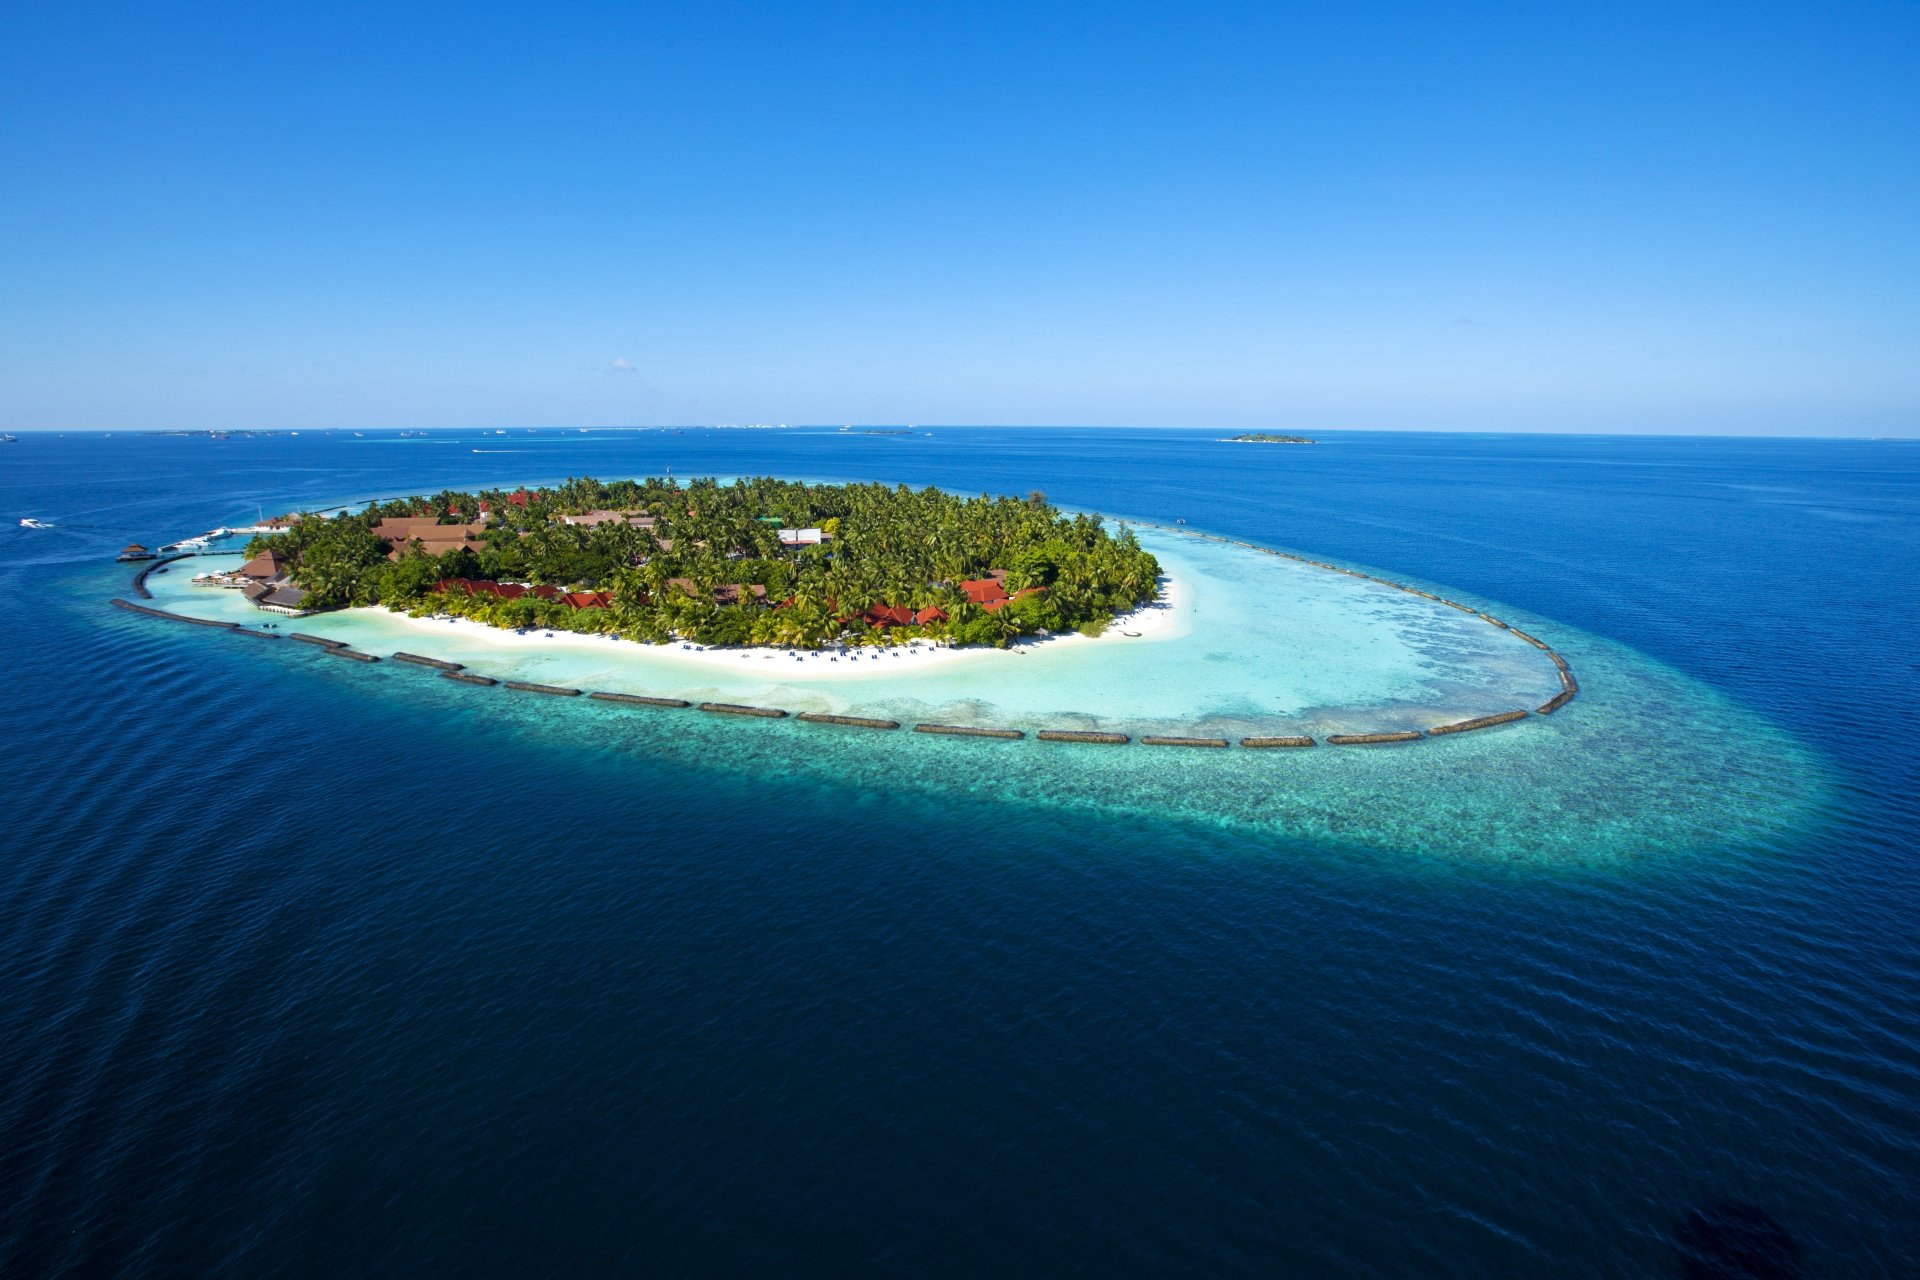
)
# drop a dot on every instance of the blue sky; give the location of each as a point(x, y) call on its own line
point(1678, 217)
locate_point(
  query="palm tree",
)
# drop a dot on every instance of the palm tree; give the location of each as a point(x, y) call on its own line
point(891, 545)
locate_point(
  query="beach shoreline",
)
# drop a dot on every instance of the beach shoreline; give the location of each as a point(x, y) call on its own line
point(1167, 617)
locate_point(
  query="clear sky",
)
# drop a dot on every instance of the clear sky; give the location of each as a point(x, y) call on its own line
point(1596, 217)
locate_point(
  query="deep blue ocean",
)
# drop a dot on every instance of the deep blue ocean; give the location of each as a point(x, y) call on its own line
point(316, 971)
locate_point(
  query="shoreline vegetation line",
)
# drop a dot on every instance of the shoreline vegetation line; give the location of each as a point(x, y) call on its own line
point(1569, 686)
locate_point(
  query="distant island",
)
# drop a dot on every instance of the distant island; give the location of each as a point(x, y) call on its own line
point(208, 433)
point(761, 562)
point(1263, 437)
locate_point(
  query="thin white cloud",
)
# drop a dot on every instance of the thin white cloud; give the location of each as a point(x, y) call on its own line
point(621, 364)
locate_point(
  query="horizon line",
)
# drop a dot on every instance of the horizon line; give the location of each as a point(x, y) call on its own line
point(577, 428)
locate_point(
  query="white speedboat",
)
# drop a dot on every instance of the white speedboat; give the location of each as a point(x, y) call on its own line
point(34, 524)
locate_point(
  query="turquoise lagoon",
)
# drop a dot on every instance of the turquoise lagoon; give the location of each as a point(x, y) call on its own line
point(1645, 762)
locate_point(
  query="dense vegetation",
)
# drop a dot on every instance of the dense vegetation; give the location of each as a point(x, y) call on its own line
point(884, 547)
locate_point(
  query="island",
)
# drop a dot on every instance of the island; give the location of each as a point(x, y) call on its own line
point(759, 562)
point(1265, 437)
point(869, 606)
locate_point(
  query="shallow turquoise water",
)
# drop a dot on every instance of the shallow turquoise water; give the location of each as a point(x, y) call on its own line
point(1259, 644)
point(1644, 763)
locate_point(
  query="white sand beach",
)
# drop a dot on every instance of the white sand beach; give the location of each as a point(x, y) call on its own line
point(1252, 642)
point(1168, 617)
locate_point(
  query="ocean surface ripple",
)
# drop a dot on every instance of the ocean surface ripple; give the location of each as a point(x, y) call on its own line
point(320, 969)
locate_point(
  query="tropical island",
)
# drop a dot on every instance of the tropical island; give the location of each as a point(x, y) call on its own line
point(760, 562)
point(1265, 437)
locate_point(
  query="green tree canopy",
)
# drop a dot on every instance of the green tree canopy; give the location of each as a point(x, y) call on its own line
point(682, 559)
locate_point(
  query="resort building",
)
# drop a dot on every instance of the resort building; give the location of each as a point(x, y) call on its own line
point(514, 590)
point(725, 594)
point(990, 592)
point(502, 590)
point(268, 566)
point(985, 592)
point(434, 538)
point(281, 598)
point(882, 616)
